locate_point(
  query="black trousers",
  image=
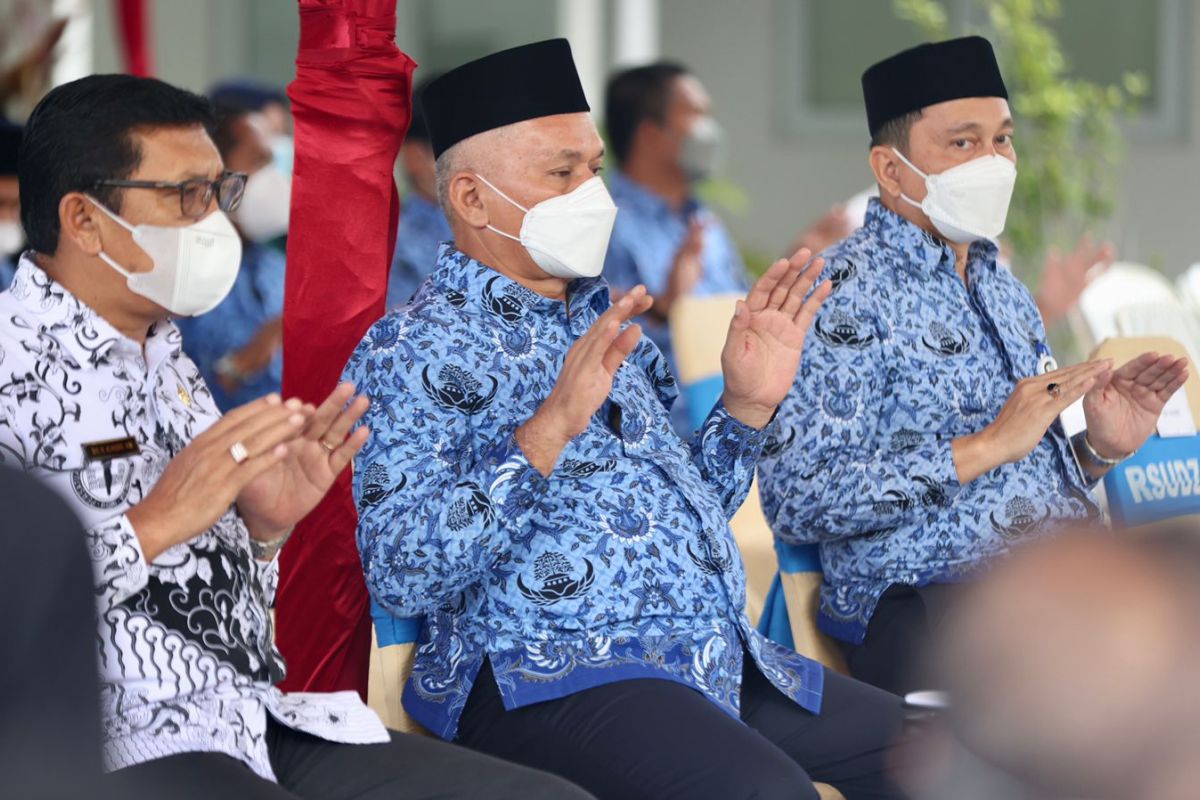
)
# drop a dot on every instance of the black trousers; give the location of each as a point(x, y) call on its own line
point(895, 656)
point(410, 767)
point(651, 739)
point(49, 684)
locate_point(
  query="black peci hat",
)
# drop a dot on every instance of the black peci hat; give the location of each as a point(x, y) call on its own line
point(930, 74)
point(527, 82)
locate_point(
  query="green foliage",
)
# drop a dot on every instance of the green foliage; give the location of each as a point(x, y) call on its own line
point(1067, 137)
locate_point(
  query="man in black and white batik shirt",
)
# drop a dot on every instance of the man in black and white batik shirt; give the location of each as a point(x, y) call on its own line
point(123, 199)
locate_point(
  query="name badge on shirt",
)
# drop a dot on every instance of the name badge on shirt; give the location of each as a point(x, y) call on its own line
point(111, 448)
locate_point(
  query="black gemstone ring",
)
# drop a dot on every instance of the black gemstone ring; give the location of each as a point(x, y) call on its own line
point(1054, 389)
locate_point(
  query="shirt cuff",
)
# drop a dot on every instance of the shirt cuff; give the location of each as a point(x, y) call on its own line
point(517, 485)
point(723, 422)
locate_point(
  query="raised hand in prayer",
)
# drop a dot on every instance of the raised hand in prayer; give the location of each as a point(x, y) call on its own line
point(1123, 410)
point(282, 495)
point(766, 337)
point(584, 382)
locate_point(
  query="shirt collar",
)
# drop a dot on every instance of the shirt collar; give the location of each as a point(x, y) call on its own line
point(92, 338)
point(462, 278)
point(629, 194)
point(924, 250)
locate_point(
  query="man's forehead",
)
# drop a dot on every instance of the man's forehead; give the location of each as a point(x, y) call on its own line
point(987, 112)
point(571, 135)
point(688, 89)
point(176, 153)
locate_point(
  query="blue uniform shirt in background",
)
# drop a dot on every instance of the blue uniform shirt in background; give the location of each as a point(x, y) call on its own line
point(256, 299)
point(8, 268)
point(422, 228)
point(646, 237)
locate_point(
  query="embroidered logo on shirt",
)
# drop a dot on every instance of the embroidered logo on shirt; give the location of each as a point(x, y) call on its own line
point(507, 305)
point(1022, 518)
point(843, 330)
point(458, 390)
point(554, 572)
point(103, 484)
point(945, 342)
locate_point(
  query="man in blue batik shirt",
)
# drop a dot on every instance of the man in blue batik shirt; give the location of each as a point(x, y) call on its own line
point(524, 492)
point(422, 225)
point(921, 437)
point(238, 346)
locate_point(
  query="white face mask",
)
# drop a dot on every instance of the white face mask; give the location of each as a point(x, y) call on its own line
point(11, 237)
point(968, 202)
point(700, 153)
point(567, 235)
point(263, 213)
point(194, 266)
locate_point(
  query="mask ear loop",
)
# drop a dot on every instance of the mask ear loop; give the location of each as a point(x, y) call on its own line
point(105, 257)
point(914, 168)
point(492, 186)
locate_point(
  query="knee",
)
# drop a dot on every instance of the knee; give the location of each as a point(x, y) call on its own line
point(769, 779)
point(534, 785)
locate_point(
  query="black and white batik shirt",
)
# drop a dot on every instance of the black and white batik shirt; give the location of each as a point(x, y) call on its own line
point(186, 650)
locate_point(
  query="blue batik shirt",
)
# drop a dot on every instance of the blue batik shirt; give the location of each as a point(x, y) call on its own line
point(645, 240)
point(903, 358)
point(255, 299)
point(422, 228)
point(619, 565)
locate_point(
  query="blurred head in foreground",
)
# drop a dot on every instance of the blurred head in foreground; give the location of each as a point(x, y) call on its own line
point(1071, 667)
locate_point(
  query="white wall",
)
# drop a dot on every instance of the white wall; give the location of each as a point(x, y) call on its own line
point(732, 48)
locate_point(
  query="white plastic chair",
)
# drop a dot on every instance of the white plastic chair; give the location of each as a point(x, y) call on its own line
point(1189, 288)
point(1123, 285)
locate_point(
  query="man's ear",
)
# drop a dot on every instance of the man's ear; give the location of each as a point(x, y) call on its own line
point(465, 200)
point(886, 166)
point(77, 222)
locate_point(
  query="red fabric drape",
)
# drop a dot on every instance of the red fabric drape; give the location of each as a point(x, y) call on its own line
point(351, 102)
point(133, 25)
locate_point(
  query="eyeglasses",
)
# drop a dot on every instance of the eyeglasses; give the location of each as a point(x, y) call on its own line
point(195, 194)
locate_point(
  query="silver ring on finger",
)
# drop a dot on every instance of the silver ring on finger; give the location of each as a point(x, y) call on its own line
point(327, 445)
point(1054, 389)
point(238, 452)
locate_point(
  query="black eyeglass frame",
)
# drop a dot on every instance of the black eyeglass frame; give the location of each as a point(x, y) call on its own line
point(228, 189)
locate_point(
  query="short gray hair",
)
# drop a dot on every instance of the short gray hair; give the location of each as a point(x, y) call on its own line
point(473, 154)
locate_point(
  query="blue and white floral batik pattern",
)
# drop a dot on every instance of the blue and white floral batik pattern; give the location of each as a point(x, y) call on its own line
point(619, 565)
point(904, 357)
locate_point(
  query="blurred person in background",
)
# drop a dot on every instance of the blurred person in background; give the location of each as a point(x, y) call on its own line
point(248, 94)
point(422, 226)
point(1070, 668)
point(238, 346)
point(12, 237)
point(666, 141)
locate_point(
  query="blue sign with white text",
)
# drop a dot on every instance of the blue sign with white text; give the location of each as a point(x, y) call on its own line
point(1160, 481)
